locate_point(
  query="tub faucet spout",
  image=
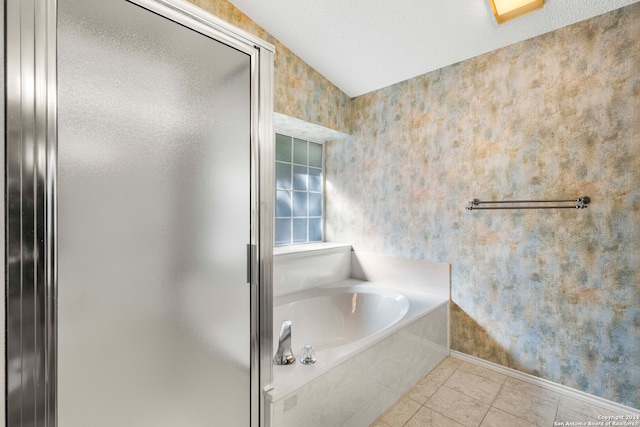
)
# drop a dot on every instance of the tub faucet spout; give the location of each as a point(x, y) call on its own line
point(284, 355)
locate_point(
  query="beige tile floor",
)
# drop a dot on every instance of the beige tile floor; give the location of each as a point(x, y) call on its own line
point(461, 394)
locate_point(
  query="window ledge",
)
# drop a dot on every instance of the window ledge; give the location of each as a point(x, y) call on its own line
point(308, 249)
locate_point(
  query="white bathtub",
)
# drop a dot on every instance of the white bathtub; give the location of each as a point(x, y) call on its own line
point(329, 317)
point(341, 320)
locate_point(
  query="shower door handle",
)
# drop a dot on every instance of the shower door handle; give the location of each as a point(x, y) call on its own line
point(251, 255)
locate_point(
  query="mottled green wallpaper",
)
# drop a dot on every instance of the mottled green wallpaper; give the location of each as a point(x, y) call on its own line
point(300, 91)
point(552, 293)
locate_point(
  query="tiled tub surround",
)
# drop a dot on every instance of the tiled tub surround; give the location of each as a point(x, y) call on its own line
point(356, 390)
point(288, 378)
point(350, 385)
point(552, 293)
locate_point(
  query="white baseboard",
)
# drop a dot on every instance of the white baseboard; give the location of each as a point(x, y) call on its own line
point(549, 385)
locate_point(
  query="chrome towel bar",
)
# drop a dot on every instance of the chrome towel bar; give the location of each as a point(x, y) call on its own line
point(580, 203)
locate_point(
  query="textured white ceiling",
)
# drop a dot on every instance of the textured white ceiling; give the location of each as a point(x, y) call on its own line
point(364, 45)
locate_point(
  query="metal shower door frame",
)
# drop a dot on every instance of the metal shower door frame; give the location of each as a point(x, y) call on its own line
point(31, 200)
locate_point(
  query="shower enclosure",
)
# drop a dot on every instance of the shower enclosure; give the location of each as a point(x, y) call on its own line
point(138, 216)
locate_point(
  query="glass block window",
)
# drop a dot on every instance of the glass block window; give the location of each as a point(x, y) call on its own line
point(299, 208)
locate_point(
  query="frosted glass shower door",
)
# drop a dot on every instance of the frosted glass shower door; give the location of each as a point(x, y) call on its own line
point(154, 217)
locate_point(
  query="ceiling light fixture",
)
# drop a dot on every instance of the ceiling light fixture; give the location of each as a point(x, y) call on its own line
point(506, 10)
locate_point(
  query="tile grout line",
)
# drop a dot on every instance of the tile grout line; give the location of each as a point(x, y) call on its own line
point(405, 395)
point(483, 379)
point(492, 402)
point(555, 417)
point(424, 405)
point(490, 405)
point(557, 403)
point(506, 411)
point(412, 415)
point(502, 386)
point(471, 397)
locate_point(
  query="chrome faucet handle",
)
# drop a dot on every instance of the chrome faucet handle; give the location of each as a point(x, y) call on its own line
point(308, 355)
point(284, 355)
